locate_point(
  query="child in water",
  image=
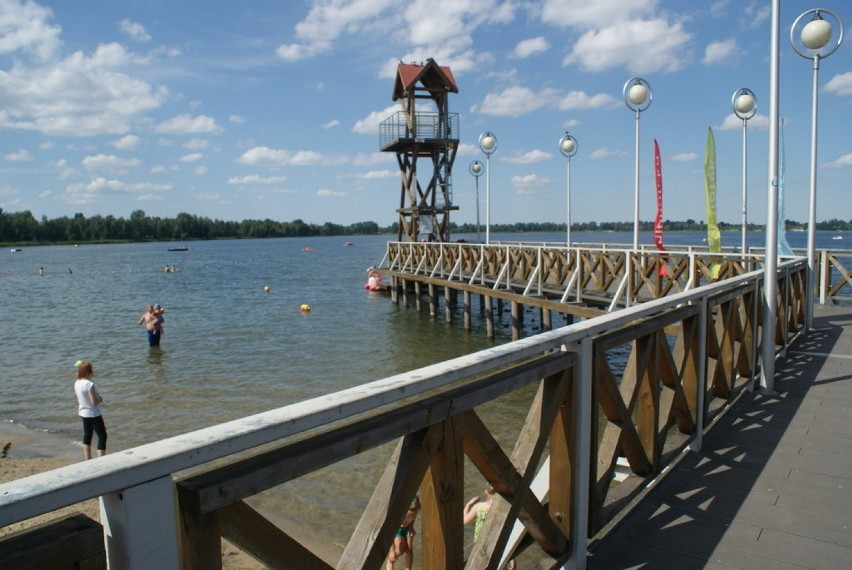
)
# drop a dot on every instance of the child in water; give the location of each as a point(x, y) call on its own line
point(158, 314)
point(403, 542)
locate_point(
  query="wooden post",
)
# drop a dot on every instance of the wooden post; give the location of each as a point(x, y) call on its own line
point(404, 294)
point(442, 490)
point(489, 316)
point(448, 304)
point(517, 319)
point(417, 304)
point(433, 301)
point(140, 526)
point(546, 323)
point(467, 310)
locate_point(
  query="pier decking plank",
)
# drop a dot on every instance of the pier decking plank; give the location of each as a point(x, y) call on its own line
point(772, 486)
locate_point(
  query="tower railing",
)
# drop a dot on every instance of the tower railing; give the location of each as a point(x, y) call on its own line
point(425, 127)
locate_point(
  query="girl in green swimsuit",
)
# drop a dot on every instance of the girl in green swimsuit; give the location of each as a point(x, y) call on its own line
point(403, 541)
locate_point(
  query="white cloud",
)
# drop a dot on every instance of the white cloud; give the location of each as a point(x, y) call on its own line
point(641, 46)
point(255, 179)
point(579, 100)
point(109, 163)
point(531, 46)
point(441, 29)
point(684, 157)
point(326, 192)
point(195, 144)
point(758, 122)
point(192, 157)
point(236, 119)
point(22, 155)
point(200, 170)
point(78, 96)
point(840, 84)
point(265, 156)
point(83, 193)
point(135, 31)
point(597, 13)
point(528, 157)
point(186, 124)
point(844, 161)
point(127, 142)
point(376, 174)
point(515, 101)
point(606, 153)
point(529, 182)
point(369, 125)
point(720, 52)
point(331, 124)
point(25, 27)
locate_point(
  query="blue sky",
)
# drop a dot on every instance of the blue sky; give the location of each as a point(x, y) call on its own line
point(269, 109)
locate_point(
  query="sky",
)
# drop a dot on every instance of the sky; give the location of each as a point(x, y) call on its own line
point(254, 109)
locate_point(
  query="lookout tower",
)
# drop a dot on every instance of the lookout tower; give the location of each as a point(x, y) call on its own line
point(424, 211)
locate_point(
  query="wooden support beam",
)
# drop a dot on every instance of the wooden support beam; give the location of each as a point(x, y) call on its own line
point(254, 534)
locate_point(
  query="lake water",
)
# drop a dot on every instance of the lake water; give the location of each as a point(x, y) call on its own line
point(230, 348)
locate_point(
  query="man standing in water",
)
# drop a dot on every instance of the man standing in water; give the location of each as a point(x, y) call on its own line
point(149, 319)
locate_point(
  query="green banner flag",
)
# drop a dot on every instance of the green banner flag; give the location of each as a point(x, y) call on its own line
point(714, 239)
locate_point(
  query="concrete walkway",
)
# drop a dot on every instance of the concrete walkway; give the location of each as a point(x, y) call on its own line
point(772, 486)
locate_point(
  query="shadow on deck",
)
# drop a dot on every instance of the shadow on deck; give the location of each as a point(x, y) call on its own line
point(772, 485)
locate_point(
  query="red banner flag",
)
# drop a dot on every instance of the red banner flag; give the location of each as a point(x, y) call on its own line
point(658, 221)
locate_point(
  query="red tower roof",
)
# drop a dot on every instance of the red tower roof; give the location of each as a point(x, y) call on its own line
point(434, 78)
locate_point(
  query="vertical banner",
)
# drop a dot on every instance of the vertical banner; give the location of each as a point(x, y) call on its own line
point(658, 221)
point(783, 247)
point(714, 239)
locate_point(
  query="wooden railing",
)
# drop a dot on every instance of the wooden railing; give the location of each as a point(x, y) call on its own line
point(640, 385)
point(597, 274)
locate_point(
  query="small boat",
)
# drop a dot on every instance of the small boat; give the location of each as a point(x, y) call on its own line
point(837, 237)
point(347, 243)
point(15, 250)
point(374, 281)
point(181, 248)
point(307, 249)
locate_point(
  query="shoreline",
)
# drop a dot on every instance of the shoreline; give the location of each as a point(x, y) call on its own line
point(32, 452)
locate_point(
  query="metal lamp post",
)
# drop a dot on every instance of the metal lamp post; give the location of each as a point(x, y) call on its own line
point(488, 144)
point(812, 43)
point(744, 105)
point(568, 147)
point(637, 96)
point(476, 170)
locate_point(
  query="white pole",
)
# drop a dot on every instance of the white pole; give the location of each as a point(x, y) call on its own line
point(487, 199)
point(770, 282)
point(636, 189)
point(809, 306)
point(568, 201)
point(744, 249)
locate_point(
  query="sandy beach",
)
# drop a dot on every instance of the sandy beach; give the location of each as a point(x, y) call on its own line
point(33, 452)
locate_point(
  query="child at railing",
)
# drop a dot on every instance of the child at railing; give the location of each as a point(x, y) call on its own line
point(403, 541)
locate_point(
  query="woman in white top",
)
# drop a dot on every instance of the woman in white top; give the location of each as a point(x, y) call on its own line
point(89, 408)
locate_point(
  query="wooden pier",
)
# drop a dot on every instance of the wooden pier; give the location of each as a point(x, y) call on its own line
point(771, 486)
point(637, 387)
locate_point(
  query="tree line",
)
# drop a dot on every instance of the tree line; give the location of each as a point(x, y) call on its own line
point(23, 227)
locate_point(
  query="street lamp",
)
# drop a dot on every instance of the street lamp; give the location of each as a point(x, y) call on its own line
point(488, 144)
point(637, 96)
point(744, 104)
point(476, 170)
point(812, 42)
point(568, 147)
